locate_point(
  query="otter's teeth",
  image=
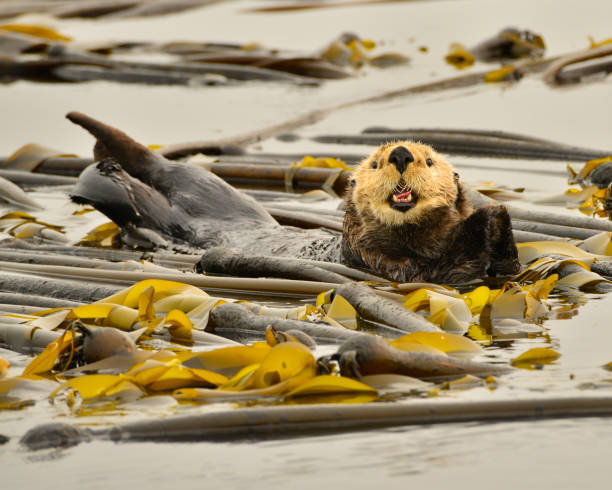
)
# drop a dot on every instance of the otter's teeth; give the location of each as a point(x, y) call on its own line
point(403, 197)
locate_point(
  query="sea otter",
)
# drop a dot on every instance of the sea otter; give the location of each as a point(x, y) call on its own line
point(406, 215)
point(408, 219)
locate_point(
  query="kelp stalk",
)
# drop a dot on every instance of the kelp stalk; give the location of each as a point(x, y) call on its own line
point(10, 298)
point(284, 287)
point(371, 306)
point(75, 289)
point(473, 143)
point(227, 317)
point(174, 260)
point(223, 261)
point(554, 230)
point(303, 219)
point(29, 179)
point(523, 215)
point(284, 421)
point(373, 355)
point(26, 339)
point(557, 74)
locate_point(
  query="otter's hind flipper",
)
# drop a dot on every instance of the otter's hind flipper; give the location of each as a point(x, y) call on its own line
point(135, 158)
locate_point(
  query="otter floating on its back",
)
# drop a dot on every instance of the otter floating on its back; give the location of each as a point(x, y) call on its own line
point(406, 218)
point(154, 201)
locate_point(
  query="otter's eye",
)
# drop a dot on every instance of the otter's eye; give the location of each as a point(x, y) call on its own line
point(429, 162)
point(374, 164)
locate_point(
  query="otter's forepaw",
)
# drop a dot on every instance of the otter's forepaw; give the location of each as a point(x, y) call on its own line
point(503, 268)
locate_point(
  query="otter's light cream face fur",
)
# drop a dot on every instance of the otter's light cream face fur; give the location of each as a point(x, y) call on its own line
point(428, 178)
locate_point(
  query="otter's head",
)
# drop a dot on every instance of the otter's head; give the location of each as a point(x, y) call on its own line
point(401, 181)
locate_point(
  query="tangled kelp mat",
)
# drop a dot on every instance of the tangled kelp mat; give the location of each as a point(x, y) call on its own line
point(98, 330)
point(132, 344)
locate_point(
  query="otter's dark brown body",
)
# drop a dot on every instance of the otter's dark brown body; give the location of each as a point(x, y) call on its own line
point(437, 249)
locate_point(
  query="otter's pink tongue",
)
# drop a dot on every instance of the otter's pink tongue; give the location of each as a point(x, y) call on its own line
point(403, 197)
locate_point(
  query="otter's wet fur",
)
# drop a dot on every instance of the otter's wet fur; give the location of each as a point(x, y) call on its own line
point(408, 219)
point(427, 232)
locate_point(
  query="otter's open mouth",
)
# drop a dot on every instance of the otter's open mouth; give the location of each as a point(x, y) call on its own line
point(402, 198)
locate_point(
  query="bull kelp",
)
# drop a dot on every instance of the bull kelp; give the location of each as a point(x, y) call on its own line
point(106, 342)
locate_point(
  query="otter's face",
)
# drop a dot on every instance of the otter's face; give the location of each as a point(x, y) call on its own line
point(400, 182)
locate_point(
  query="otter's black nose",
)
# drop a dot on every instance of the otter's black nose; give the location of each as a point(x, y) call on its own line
point(401, 157)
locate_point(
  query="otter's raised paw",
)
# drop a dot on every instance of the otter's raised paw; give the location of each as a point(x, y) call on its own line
point(504, 255)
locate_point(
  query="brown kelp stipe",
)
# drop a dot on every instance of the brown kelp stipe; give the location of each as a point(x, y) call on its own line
point(371, 306)
point(559, 74)
point(228, 318)
point(224, 261)
point(283, 287)
point(471, 144)
point(285, 421)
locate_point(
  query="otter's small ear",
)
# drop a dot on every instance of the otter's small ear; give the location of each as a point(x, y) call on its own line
point(456, 177)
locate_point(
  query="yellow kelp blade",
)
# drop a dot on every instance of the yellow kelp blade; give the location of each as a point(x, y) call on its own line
point(537, 355)
point(455, 317)
point(101, 236)
point(459, 57)
point(600, 244)
point(581, 279)
point(129, 297)
point(542, 288)
point(100, 385)
point(588, 168)
point(476, 299)
point(418, 300)
point(510, 304)
point(272, 390)
point(449, 343)
point(503, 74)
point(228, 358)
point(146, 311)
point(51, 321)
point(322, 162)
point(46, 360)
point(199, 315)
point(107, 314)
point(179, 325)
point(242, 380)
point(464, 383)
point(450, 313)
point(158, 376)
point(529, 251)
point(341, 311)
point(36, 31)
point(326, 384)
point(31, 155)
point(283, 362)
point(4, 367)
point(186, 302)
